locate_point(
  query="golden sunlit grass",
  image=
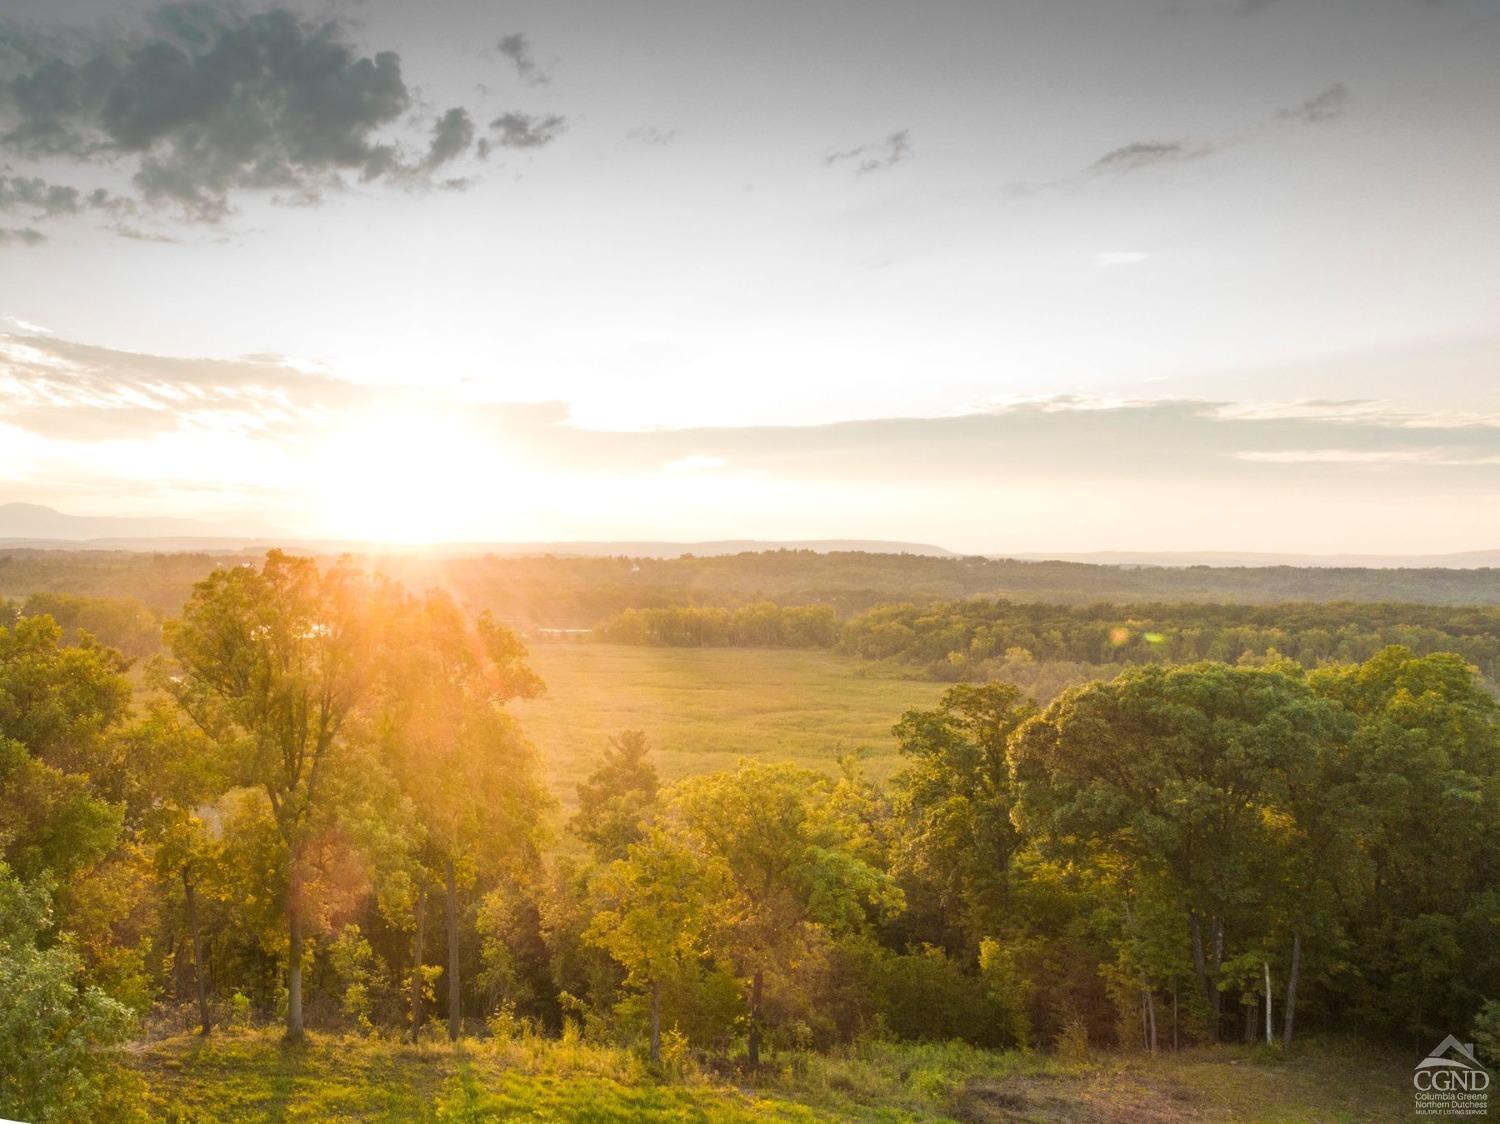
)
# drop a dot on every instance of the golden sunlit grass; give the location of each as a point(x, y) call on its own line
point(702, 708)
point(254, 1076)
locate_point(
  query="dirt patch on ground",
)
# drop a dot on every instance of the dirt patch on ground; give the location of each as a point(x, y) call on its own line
point(1101, 1098)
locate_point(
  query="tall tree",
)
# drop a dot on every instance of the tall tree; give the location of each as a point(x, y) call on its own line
point(177, 775)
point(1178, 771)
point(954, 799)
point(791, 873)
point(61, 818)
point(273, 662)
point(615, 801)
point(657, 912)
point(1424, 769)
point(461, 760)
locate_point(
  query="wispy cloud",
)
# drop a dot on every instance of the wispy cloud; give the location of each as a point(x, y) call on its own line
point(876, 156)
point(650, 135)
point(517, 48)
point(1152, 154)
point(1136, 155)
point(523, 130)
point(73, 391)
point(1399, 457)
point(65, 400)
point(1324, 107)
point(21, 236)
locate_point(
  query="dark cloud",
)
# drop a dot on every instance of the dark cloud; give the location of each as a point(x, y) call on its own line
point(517, 48)
point(211, 101)
point(523, 130)
point(452, 135)
point(35, 194)
point(45, 199)
point(21, 236)
point(1324, 107)
point(875, 157)
point(1149, 154)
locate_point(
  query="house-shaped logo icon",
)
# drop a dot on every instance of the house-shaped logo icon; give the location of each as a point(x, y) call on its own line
point(1451, 1080)
point(1451, 1054)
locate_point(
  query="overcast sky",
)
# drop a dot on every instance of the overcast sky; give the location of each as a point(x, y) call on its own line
point(1011, 275)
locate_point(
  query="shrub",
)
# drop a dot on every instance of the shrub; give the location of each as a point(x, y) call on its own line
point(56, 1033)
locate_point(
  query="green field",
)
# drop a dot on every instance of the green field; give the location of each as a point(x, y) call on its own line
point(253, 1076)
point(702, 708)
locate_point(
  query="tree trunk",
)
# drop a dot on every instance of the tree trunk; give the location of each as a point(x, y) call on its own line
point(757, 982)
point(294, 962)
point(656, 1022)
point(190, 893)
point(1151, 1019)
point(1174, 1014)
point(1291, 993)
point(1200, 969)
point(1217, 996)
point(1252, 1009)
point(417, 945)
point(454, 1017)
point(1267, 965)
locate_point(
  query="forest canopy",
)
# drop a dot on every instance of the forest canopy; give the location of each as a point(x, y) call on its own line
point(316, 809)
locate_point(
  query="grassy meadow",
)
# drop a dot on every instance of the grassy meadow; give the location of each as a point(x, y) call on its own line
point(255, 1076)
point(703, 708)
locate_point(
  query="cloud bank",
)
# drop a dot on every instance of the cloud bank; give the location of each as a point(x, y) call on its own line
point(210, 102)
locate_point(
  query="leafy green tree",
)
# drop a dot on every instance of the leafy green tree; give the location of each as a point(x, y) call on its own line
point(122, 623)
point(954, 800)
point(176, 779)
point(57, 1031)
point(64, 789)
point(616, 800)
point(659, 909)
point(791, 874)
point(1425, 777)
point(1177, 772)
point(273, 662)
point(460, 760)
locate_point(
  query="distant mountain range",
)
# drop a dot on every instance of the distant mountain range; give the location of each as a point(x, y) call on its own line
point(33, 521)
point(27, 525)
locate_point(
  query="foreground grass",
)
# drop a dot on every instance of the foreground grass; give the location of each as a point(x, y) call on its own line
point(703, 708)
point(255, 1077)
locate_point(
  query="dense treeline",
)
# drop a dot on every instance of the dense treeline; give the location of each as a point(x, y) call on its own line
point(319, 810)
point(762, 625)
point(964, 639)
point(562, 592)
point(117, 622)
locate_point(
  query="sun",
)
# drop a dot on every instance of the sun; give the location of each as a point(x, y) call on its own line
point(405, 476)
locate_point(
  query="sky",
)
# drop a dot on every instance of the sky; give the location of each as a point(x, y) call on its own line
point(1005, 276)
